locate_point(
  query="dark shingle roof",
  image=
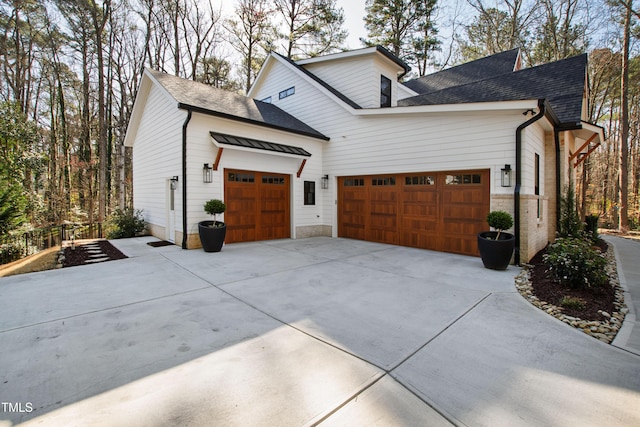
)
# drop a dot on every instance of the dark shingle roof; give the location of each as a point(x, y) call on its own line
point(481, 69)
point(218, 102)
point(561, 83)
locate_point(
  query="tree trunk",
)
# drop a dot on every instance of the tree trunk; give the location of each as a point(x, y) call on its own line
point(623, 175)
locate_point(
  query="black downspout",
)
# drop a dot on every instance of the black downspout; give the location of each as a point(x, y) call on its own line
point(184, 179)
point(556, 135)
point(516, 195)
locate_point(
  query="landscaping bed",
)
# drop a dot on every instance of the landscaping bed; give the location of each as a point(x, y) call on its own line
point(84, 253)
point(596, 310)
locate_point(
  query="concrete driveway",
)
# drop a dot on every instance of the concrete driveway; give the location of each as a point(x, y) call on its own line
point(298, 332)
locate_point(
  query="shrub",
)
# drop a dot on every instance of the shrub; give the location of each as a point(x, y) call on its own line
point(125, 223)
point(591, 227)
point(570, 224)
point(575, 263)
point(214, 207)
point(574, 303)
point(9, 252)
point(500, 220)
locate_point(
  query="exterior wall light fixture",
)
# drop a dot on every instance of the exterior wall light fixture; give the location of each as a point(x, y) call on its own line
point(506, 175)
point(174, 182)
point(324, 182)
point(207, 173)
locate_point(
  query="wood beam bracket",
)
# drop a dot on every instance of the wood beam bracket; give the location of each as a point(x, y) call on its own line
point(585, 145)
point(584, 157)
point(304, 161)
point(218, 157)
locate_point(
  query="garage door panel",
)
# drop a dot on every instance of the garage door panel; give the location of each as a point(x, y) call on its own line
point(439, 211)
point(257, 206)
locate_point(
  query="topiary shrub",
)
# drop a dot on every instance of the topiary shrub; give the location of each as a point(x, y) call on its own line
point(500, 221)
point(575, 263)
point(125, 223)
point(215, 207)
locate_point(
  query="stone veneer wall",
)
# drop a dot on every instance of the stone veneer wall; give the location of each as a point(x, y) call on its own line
point(313, 231)
point(157, 231)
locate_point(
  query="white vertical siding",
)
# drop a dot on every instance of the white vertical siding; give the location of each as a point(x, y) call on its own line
point(157, 157)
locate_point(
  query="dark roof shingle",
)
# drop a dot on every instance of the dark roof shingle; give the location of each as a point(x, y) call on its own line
point(481, 69)
point(210, 100)
point(561, 83)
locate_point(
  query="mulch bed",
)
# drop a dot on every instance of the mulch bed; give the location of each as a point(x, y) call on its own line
point(79, 255)
point(547, 289)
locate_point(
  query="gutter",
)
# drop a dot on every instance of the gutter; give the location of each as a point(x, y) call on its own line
point(184, 179)
point(516, 196)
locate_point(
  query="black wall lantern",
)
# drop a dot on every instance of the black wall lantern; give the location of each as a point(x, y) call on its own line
point(174, 182)
point(506, 175)
point(207, 173)
point(324, 182)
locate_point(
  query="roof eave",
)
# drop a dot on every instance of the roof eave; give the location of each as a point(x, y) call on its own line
point(446, 108)
point(208, 112)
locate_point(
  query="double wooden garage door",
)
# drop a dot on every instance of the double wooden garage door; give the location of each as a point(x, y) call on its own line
point(441, 211)
point(257, 206)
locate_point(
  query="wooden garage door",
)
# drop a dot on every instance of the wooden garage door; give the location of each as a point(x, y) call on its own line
point(257, 206)
point(441, 211)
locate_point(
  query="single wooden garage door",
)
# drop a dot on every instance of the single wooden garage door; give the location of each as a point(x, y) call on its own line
point(442, 211)
point(257, 206)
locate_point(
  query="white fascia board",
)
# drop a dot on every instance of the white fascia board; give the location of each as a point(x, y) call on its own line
point(450, 108)
point(587, 130)
point(337, 56)
point(266, 64)
point(136, 112)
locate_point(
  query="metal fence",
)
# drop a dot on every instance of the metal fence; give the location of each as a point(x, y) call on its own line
point(16, 246)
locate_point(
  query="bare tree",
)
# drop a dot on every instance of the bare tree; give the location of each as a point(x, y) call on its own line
point(252, 35)
point(313, 27)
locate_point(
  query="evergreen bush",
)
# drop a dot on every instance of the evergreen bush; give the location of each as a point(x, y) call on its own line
point(591, 227)
point(214, 207)
point(575, 263)
point(570, 224)
point(126, 223)
point(500, 221)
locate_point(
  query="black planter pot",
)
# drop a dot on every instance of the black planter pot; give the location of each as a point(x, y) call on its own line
point(212, 238)
point(496, 254)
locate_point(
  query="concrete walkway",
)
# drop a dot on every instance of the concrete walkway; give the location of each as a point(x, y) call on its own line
point(314, 331)
point(628, 257)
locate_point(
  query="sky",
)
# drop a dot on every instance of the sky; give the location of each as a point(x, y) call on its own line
point(353, 13)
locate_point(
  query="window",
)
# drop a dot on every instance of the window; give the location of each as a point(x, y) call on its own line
point(383, 181)
point(470, 178)
point(267, 100)
point(385, 92)
point(241, 177)
point(537, 183)
point(420, 180)
point(309, 193)
point(278, 180)
point(287, 92)
point(354, 182)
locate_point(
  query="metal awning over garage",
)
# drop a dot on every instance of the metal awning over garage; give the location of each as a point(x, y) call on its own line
point(255, 144)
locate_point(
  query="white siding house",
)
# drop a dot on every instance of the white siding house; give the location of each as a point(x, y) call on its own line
point(422, 172)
